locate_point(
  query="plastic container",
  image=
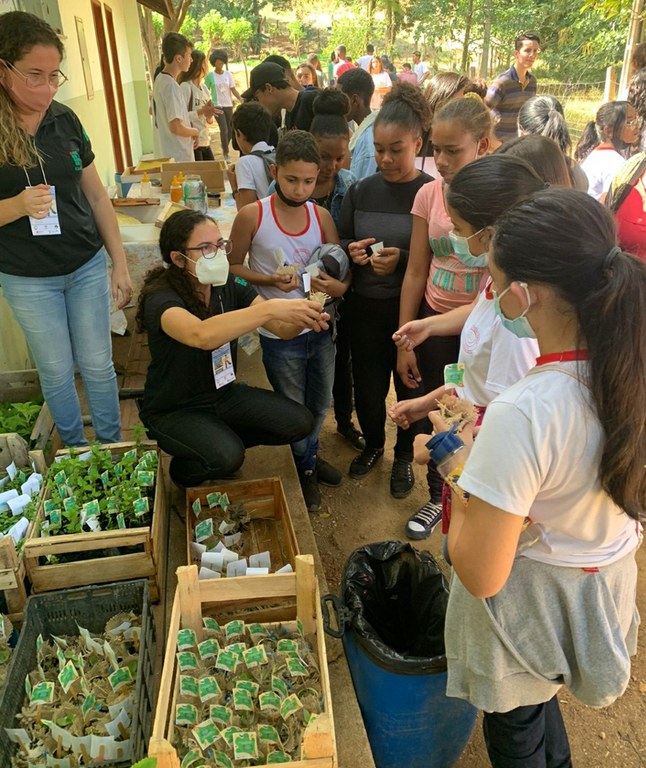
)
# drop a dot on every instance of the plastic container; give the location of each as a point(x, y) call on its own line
point(145, 186)
point(195, 193)
point(391, 618)
point(446, 449)
point(176, 190)
point(57, 613)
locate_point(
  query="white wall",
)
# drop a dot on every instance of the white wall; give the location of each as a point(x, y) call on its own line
point(93, 112)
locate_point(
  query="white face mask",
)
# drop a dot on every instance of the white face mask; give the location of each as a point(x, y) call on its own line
point(212, 268)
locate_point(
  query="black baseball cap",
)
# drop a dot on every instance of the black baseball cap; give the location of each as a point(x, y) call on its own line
point(264, 74)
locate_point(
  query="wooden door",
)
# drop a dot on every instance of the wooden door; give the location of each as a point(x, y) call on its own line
point(116, 69)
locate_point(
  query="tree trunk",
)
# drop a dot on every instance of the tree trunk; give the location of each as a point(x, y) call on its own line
point(177, 10)
point(467, 37)
point(486, 40)
point(149, 39)
point(370, 12)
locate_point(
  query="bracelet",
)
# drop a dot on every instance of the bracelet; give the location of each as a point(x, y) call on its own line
point(234, 192)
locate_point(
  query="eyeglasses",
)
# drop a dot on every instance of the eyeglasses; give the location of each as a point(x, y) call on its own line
point(209, 250)
point(34, 81)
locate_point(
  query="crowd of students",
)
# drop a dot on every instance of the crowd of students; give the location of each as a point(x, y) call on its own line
point(446, 254)
point(459, 244)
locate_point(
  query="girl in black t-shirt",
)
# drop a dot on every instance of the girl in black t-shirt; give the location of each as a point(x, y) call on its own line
point(194, 311)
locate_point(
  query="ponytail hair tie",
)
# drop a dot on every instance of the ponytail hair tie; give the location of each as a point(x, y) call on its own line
point(609, 258)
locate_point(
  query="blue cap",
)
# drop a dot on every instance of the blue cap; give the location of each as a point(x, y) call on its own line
point(444, 444)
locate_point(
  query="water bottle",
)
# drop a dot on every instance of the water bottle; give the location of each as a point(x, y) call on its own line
point(447, 451)
point(195, 194)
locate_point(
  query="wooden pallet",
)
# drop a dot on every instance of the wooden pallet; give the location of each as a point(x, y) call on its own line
point(137, 365)
point(150, 541)
point(12, 564)
point(270, 528)
point(195, 599)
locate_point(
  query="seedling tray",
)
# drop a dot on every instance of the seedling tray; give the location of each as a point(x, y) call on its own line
point(145, 546)
point(270, 527)
point(196, 599)
point(58, 613)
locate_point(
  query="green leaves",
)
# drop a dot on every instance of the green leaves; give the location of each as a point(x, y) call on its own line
point(19, 417)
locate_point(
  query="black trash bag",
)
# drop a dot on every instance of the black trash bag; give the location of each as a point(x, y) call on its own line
point(395, 598)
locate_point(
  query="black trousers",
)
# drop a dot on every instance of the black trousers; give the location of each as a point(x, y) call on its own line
point(203, 153)
point(225, 124)
point(374, 362)
point(342, 389)
point(527, 737)
point(209, 442)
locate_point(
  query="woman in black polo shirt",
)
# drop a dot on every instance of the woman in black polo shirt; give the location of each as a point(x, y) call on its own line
point(56, 224)
point(194, 311)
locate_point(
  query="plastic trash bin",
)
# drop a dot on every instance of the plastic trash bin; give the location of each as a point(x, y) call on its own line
point(391, 618)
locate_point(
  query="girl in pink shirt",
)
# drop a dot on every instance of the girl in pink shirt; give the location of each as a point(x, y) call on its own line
point(436, 279)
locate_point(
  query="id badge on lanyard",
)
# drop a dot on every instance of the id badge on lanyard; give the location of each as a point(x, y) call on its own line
point(50, 225)
point(222, 364)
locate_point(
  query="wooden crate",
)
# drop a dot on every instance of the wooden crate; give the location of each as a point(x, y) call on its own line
point(212, 173)
point(12, 565)
point(149, 561)
point(195, 599)
point(270, 528)
point(20, 386)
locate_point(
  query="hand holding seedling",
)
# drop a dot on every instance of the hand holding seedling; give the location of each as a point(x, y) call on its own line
point(285, 283)
point(385, 261)
point(300, 312)
point(358, 250)
point(36, 201)
point(325, 284)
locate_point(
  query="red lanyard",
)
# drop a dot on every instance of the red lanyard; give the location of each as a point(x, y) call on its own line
point(563, 357)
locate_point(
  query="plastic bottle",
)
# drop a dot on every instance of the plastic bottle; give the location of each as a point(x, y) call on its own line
point(180, 177)
point(195, 193)
point(176, 190)
point(447, 451)
point(145, 187)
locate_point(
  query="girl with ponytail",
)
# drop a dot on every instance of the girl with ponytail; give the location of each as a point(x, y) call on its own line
point(543, 548)
point(605, 144)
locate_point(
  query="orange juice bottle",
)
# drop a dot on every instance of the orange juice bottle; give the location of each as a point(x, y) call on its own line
point(176, 190)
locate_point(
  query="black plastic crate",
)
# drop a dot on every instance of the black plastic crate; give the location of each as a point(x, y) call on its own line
point(57, 613)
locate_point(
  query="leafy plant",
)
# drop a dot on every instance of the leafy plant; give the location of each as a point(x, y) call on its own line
point(19, 417)
point(100, 491)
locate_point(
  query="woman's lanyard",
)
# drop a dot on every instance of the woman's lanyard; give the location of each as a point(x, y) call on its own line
point(50, 224)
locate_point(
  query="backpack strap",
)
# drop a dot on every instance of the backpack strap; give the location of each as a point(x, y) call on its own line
point(268, 157)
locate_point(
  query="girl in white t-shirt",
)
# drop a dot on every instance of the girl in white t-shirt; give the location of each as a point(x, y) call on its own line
point(492, 358)
point(543, 548)
point(382, 81)
point(605, 144)
point(199, 104)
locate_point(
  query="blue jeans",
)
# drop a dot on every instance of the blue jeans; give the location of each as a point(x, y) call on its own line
point(303, 370)
point(66, 320)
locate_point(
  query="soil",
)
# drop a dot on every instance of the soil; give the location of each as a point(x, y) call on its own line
point(361, 512)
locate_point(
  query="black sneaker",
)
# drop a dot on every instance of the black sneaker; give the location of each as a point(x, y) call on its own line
point(310, 489)
point(402, 479)
point(327, 474)
point(365, 462)
point(353, 436)
point(422, 524)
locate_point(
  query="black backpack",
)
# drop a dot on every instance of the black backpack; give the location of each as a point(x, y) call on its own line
point(268, 157)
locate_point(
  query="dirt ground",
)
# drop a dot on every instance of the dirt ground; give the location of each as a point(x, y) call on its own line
point(361, 512)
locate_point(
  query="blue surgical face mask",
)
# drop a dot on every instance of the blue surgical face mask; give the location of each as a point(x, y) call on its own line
point(519, 326)
point(462, 251)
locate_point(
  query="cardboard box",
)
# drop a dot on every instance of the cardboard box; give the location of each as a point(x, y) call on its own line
point(212, 173)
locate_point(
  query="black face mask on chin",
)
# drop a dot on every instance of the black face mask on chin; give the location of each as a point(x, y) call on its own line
point(286, 200)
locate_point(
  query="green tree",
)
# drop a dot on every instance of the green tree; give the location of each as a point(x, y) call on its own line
point(237, 35)
point(298, 34)
point(213, 26)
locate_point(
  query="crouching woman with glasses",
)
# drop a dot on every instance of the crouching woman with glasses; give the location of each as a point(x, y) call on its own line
point(193, 312)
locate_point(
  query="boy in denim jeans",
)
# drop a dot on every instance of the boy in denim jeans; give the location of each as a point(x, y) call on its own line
point(279, 233)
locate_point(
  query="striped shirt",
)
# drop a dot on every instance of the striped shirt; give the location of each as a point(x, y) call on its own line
point(505, 97)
